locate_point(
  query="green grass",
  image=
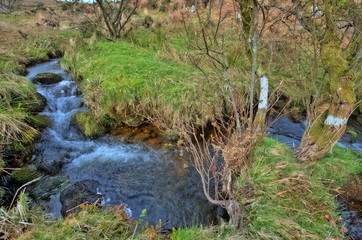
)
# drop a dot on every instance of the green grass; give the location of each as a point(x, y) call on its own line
point(290, 200)
point(24, 175)
point(222, 231)
point(12, 18)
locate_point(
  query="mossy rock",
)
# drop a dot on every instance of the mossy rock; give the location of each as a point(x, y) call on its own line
point(47, 78)
point(24, 175)
point(40, 122)
point(88, 125)
point(39, 106)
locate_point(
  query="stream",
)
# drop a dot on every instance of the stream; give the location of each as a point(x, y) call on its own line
point(118, 172)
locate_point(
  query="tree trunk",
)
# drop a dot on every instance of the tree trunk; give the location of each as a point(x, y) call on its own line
point(259, 121)
point(330, 122)
point(235, 212)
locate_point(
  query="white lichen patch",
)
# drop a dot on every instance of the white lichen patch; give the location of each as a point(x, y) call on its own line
point(335, 121)
point(263, 99)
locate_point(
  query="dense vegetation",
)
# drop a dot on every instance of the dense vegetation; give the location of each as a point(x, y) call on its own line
point(155, 73)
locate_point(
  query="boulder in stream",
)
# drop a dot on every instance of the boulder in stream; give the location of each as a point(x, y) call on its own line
point(47, 78)
point(83, 192)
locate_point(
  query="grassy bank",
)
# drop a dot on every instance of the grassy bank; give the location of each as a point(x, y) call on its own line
point(289, 200)
point(129, 83)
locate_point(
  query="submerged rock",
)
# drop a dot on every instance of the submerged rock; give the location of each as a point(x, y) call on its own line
point(47, 78)
point(50, 166)
point(83, 192)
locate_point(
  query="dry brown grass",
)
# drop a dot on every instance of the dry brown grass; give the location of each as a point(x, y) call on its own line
point(47, 3)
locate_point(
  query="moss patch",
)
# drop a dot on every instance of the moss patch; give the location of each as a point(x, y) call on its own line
point(24, 175)
point(88, 125)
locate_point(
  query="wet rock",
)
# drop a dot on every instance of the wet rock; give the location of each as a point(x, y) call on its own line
point(347, 138)
point(47, 78)
point(351, 221)
point(81, 192)
point(222, 213)
point(287, 131)
point(50, 166)
point(48, 186)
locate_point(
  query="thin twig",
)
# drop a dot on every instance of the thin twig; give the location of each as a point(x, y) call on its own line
point(26, 184)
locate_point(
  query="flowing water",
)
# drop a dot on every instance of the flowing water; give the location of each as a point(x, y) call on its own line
point(132, 174)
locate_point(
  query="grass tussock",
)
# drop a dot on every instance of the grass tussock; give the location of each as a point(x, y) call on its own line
point(89, 222)
point(288, 200)
point(17, 96)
